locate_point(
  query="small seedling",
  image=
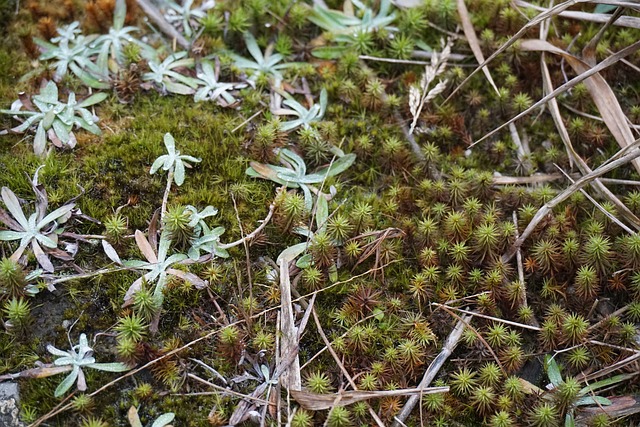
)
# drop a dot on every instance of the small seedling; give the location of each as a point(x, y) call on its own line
point(184, 18)
point(294, 174)
point(210, 89)
point(165, 76)
point(306, 116)
point(174, 163)
point(267, 63)
point(80, 356)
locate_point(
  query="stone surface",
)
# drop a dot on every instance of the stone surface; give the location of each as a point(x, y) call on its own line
point(9, 409)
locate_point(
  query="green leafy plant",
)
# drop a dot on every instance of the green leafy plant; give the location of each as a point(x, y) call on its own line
point(74, 52)
point(267, 63)
point(569, 395)
point(173, 162)
point(55, 119)
point(306, 116)
point(205, 239)
point(158, 265)
point(294, 173)
point(80, 356)
point(165, 77)
point(210, 89)
point(110, 46)
point(351, 28)
point(346, 24)
point(38, 229)
point(185, 17)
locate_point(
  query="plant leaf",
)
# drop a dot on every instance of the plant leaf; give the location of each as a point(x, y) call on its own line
point(163, 420)
point(13, 205)
point(66, 384)
point(593, 400)
point(109, 367)
point(111, 252)
point(553, 371)
point(133, 417)
point(145, 247)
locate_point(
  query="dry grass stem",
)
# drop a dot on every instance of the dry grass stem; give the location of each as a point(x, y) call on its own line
point(433, 369)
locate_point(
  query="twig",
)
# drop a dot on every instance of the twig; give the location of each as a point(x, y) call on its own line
point(597, 205)
point(165, 196)
point(227, 390)
point(246, 121)
point(341, 365)
point(279, 368)
point(433, 369)
point(154, 14)
point(521, 271)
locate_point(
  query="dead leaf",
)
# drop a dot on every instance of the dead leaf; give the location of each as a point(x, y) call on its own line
point(472, 39)
point(145, 247)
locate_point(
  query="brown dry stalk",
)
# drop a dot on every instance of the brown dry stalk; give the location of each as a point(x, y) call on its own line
point(433, 369)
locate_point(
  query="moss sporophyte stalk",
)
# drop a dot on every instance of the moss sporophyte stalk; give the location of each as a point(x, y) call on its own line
point(190, 187)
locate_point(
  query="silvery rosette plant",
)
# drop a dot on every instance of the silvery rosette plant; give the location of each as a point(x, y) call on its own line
point(294, 172)
point(185, 17)
point(110, 46)
point(166, 77)
point(74, 52)
point(210, 89)
point(54, 119)
point(78, 357)
point(268, 64)
point(306, 116)
point(37, 229)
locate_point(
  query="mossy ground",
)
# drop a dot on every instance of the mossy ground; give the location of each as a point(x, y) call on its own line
point(447, 224)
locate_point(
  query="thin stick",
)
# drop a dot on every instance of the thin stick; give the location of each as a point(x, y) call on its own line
point(433, 369)
point(340, 365)
point(596, 204)
point(165, 196)
point(154, 14)
point(55, 412)
point(560, 89)
point(227, 390)
point(246, 121)
point(521, 271)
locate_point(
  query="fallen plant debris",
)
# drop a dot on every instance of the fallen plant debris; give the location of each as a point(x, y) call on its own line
point(443, 235)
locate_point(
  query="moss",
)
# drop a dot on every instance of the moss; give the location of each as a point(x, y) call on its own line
point(402, 231)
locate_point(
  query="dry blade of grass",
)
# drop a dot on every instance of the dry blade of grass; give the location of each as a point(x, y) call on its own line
point(571, 83)
point(432, 370)
point(319, 402)
point(290, 378)
point(601, 18)
point(521, 180)
point(620, 159)
point(337, 397)
point(472, 39)
point(599, 206)
point(154, 14)
point(600, 91)
point(571, 153)
point(554, 11)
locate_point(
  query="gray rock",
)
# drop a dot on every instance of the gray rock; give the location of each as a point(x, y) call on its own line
point(9, 409)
